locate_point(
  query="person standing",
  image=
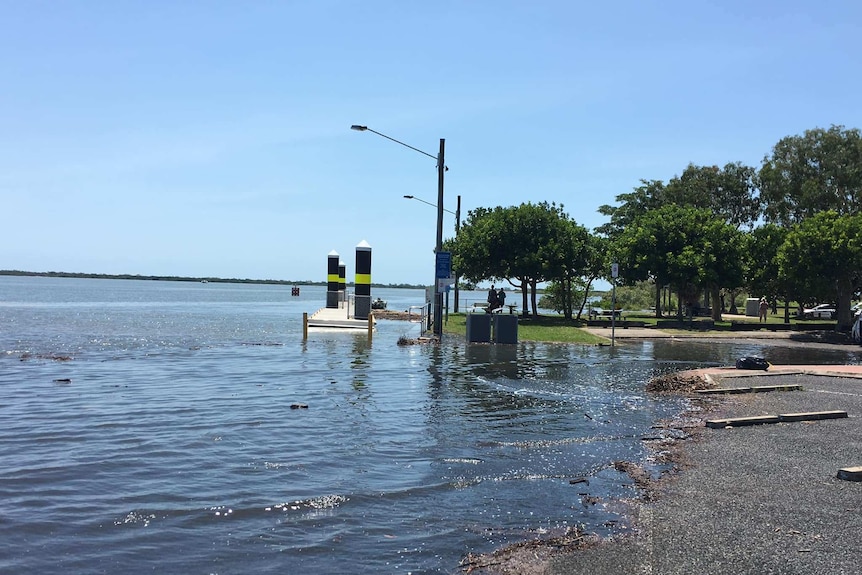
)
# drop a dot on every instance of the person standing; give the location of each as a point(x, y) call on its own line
point(492, 299)
point(764, 309)
point(501, 298)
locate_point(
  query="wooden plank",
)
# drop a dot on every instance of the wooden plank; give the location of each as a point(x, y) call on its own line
point(851, 473)
point(812, 415)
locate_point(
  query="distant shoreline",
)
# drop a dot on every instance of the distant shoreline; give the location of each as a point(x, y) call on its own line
point(187, 279)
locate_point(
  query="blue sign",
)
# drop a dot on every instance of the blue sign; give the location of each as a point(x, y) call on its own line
point(444, 264)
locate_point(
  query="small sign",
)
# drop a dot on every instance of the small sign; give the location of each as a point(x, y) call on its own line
point(444, 283)
point(444, 264)
point(615, 270)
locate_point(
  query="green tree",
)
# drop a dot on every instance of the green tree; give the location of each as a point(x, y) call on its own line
point(524, 245)
point(687, 247)
point(632, 205)
point(730, 192)
point(763, 276)
point(818, 171)
point(567, 257)
point(823, 255)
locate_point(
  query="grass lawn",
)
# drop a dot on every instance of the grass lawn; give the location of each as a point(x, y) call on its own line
point(552, 328)
point(544, 328)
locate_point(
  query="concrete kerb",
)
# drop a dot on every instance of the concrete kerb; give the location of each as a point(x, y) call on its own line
point(655, 333)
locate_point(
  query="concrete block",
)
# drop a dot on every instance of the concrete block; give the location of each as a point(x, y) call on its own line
point(741, 421)
point(755, 389)
point(812, 415)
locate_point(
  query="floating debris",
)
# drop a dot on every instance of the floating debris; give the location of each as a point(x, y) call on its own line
point(683, 382)
point(404, 340)
point(52, 357)
point(522, 557)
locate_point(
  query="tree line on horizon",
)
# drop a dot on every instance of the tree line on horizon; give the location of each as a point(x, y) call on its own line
point(790, 229)
point(189, 279)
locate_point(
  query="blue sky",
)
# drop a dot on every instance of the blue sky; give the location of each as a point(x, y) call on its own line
point(213, 138)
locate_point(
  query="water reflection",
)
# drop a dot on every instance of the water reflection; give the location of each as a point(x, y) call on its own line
point(359, 365)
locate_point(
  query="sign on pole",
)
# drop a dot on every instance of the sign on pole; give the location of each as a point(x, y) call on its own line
point(615, 270)
point(444, 264)
point(444, 283)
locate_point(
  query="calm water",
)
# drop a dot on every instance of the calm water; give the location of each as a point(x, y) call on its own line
point(146, 427)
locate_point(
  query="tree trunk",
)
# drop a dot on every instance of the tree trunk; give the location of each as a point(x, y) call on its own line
point(533, 284)
point(568, 302)
point(658, 290)
point(523, 287)
point(845, 294)
point(716, 309)
point(589, 283)
point(733, 294)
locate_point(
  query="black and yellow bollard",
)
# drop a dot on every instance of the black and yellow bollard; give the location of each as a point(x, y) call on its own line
point(332, 280)
point(362, 304)
point(342, 281)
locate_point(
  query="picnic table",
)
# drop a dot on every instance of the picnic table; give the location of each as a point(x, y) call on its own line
point(597, 311)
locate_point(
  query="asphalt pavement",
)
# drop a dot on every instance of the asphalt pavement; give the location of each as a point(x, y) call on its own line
point(763, 499)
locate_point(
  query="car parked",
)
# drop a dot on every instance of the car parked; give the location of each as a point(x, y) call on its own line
point(822, 311)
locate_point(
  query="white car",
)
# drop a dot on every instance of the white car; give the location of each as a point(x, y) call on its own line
point(822, 311)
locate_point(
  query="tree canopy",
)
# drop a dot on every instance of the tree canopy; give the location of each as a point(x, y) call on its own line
point(823, 257)
point(817, 171)
point(788, 229)
point(524, 245)
point(689, 248)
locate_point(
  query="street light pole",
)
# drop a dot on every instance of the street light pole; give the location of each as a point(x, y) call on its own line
point(441, 169)
point(457, 229)
point(438, 295)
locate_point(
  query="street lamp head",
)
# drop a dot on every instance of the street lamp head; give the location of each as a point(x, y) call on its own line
point(409, 197)
point(358, 128)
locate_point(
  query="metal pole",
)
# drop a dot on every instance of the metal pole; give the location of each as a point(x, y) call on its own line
point(613, 313)
point(457, 229)
point(438, 295)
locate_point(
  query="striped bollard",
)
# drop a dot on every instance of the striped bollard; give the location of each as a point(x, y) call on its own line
point(332, 280)
point(342, 281)
point(362, 304)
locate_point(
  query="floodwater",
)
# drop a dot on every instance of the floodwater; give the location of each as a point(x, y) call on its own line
point(153, 426)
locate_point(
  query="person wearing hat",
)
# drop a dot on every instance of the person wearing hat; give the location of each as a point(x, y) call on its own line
point(764, 308)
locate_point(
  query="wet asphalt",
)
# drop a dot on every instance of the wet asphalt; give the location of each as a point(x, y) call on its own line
point(763, 499)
